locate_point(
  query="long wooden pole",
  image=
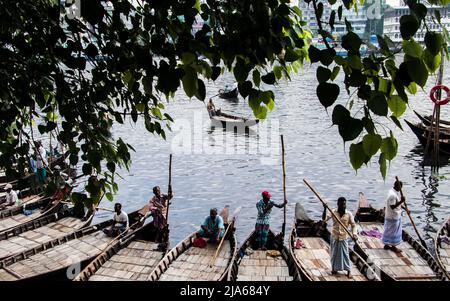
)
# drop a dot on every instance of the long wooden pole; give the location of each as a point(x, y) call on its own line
point(283, 228)
point(411, 219)
point(213, 260)
point(169, 188)
point(329, 209)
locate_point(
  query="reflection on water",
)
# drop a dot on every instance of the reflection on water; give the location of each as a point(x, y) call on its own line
point(217, 167)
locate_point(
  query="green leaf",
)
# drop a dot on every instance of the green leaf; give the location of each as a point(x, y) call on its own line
point(277, 72)
point(378, 104)
point(269, 78)
point(335, 72)
point(368, 125)
point(201, 90)
point(240, 71)
point(291, 55)
point(357, 155)
point(256, 77)
point(340, 114)
point(397, 122)
point(389, 147)
point(397, 105)
point(409, 25)
point(111, 166)
point(87, 169)
point(383, 165)
point(140, 107)
point(431, 61)
point(187, 58)
point(371, 144)
point(354, 61)
point(327, 56)
point(147, 83)
point(109, 196)
point(412, 48)
point(340, 12)
point(327, 93)
point(245, 88)
point(418, 72)
point(314, 54)
point(190, 81)
point(323, 74)
point(350, 129)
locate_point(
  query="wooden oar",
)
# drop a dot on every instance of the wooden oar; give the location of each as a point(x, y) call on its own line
point(235, 213)
point(283, 227)
point(169, 188)
point(410, 218)
point(329, 209)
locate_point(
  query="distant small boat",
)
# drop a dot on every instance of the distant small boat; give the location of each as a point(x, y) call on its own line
point(228, 94)
point(227, 120)
point(426, 120)
point(422, 134)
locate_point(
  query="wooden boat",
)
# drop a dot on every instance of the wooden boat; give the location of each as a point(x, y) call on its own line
point(60, 258)
point(188, 263)
point(58, 221)
point(426, 120)
point(133, 257)
point(313, 260)
point(231, 121)
point(443, 247)
point(228, 94)
point(413, 263)
point(250, 264)
point(30, 209)
point(422, 134)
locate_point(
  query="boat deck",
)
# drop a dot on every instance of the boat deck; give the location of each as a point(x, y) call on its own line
point(194, 264)
point(315, 257)
point(16, 220)
point(135, 262)
point(33, 238)
point(58, 257)
point(258, 266)
point(407, 265)
point(444, 253)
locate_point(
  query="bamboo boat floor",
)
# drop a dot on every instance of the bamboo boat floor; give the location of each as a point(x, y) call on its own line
point(258, 266)
point(194, 264)
point(134, 262)
point(444, 253)
point(12, 221)
point(316, 259)
point(407, 265)
point(33, 238)
point(58, 257)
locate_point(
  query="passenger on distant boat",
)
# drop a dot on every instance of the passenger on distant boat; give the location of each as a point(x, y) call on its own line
point(392, 235)
point(213, 227)
point(264, 207)
point(11, 197)
point(212, 109)
point(340, 259)
point(120, 222)
point(59, 178)
point(41, 163)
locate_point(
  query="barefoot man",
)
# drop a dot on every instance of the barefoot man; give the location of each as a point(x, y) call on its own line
point(392, 235)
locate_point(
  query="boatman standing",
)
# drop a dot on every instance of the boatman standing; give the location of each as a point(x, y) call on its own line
point(340, 258)
point(392, 235)
point(41, 163)
point(264, 207)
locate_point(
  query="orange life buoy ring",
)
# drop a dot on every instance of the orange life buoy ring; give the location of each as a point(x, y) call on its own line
point(433, 94)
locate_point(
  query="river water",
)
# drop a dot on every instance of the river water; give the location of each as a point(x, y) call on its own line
point(213, 167)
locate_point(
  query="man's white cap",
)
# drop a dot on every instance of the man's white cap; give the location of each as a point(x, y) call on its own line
point(8, 186)
point(57, 167)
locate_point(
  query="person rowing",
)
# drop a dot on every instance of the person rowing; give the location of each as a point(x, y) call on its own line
point(157, 207)
point(392, 235)
point(340, 258)
point(264, 207)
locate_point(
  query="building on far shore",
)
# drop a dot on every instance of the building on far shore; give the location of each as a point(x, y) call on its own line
point(392, 21)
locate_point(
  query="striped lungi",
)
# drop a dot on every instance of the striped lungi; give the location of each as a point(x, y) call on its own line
point(261, 234)
point(392, 232)
point(340, 259)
